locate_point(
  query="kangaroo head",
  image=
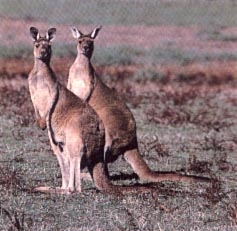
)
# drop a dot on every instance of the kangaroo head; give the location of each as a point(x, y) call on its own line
point(85, 44)
point(42, 45)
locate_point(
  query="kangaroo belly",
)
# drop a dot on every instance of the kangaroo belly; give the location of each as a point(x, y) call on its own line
point(42, 100)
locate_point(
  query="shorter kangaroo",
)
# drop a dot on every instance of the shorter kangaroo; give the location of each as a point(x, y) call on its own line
point(74, 129)
point(120, 125)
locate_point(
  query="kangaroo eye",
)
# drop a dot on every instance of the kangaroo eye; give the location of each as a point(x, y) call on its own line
point(36, 45)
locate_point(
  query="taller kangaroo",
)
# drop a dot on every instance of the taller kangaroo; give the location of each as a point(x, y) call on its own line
point(119, 123)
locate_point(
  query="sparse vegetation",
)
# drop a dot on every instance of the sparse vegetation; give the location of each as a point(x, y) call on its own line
point(187, 139)
point(19, 51)
point(183, 98)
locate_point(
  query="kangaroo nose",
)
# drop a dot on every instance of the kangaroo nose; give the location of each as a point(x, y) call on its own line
point(86, 48)
point(44, 52)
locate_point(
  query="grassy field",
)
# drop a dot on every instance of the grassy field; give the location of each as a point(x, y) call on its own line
point(184, 125)
point(183, 96)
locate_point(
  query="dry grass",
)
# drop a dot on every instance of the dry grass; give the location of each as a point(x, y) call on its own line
point(185, 124)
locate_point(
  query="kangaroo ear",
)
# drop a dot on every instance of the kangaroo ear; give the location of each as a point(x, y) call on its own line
point(34, 33)
point(75, 32)
point(95, 32)
point(50, 35)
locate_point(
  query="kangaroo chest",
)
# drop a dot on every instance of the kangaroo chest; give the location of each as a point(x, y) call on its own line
point(80, 84)
point(41, 95)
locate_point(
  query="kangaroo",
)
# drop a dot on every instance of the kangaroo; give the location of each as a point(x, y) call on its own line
point(74, 129)
point(119, 123)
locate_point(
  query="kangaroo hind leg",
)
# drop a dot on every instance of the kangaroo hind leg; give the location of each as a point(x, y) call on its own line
point(63, 161)
point(74, 171)
point(97, 168)
point(64, 167)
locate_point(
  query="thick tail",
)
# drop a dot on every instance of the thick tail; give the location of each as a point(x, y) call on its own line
point(140, 167)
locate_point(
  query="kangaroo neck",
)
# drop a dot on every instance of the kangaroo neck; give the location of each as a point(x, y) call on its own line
point(43, 70)
point(83, 65)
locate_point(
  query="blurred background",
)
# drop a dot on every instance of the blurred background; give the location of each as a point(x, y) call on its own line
point(150, 32)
